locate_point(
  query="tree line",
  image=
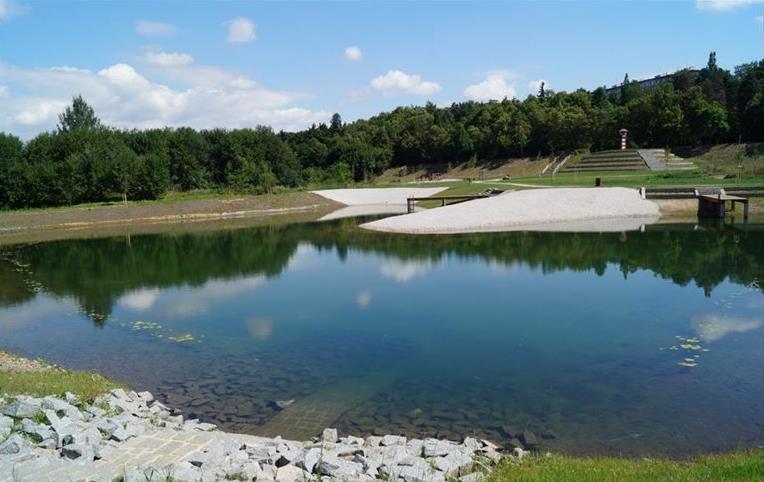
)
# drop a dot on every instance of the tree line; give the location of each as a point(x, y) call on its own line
point(86, 161)
point(97, 272)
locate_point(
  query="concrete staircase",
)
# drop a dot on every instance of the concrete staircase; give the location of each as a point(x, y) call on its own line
point(614, 160)
point(628, 160)
point(658, 161)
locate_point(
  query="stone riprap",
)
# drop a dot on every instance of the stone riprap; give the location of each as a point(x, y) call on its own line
point(132, 437)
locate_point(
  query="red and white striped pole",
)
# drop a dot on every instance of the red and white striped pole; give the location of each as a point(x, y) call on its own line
point(624, 133)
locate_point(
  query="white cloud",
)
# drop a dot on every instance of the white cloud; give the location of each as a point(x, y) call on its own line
point(397, 81)
point(535, 85)
point(148, 28)
point(240, 30)
point(39, 111)
point(353, 54)
point(9, 9)
point(201, 97)
point(168, 59)
point(760, 19)
point(724, 5)
point(494, 87)
point(4, 92)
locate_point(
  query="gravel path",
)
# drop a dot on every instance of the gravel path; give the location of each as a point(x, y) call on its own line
point(566, 209)
point(393, 195)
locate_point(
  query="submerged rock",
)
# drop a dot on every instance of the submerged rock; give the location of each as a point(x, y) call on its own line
point(281, 404)
point(530, 440)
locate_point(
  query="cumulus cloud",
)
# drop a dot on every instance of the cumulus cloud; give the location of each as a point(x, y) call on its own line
point(148, 28)
point(201, 97)
point(353, 54)
point(168, 59)
point(39, 111)
point(240, 30)
point(724, 5)
point(398, 81)
point(10, 9)
point(494, 87)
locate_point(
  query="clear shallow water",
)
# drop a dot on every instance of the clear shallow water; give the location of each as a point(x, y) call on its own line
point(567, 335)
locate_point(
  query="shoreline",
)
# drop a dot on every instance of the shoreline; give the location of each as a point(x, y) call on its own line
point(132, 435)
point(183, 210)
point(194, 215)
point(128, 436)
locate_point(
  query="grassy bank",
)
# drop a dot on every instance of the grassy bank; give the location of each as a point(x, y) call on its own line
point(19, 376)
point(738, 465)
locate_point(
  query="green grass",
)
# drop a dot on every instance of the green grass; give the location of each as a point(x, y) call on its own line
point(638, 179)
point(55, 382)
point(738, 465)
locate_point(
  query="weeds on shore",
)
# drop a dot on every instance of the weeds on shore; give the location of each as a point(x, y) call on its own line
point(738, 465)
point(55, 382)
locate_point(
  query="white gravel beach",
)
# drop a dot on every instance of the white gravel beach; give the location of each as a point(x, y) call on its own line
point(563, 209)
point(366, 210)
point(393, 195)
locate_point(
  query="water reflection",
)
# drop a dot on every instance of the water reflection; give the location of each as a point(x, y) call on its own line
point(714, 327)
point(442, 339)
point(99, 272)
point(405, 270)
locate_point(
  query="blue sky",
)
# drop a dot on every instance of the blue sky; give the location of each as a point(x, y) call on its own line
point(238, 64)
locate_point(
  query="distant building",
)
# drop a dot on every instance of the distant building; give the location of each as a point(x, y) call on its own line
point(650, 83)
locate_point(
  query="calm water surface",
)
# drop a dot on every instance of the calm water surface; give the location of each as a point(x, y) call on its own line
point(638, 343)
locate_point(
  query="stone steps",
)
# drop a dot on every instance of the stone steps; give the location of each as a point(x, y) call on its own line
point(307, 417)
point(612, 160)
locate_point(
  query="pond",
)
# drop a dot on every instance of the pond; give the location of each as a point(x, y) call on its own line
point(638, 343)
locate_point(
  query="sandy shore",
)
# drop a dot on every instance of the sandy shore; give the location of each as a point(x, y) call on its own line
point(564, 209)
point(377, 196)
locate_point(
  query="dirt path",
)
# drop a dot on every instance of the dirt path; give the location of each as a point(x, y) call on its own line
point(48, 224)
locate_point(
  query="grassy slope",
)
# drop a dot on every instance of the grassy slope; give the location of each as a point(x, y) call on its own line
point(490, 169)
point(738, 465)
point(39, 379)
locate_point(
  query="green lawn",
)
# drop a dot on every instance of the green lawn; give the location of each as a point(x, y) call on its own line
point(638, 179)
point(739, 465)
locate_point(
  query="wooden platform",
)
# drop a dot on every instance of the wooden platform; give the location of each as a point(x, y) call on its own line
point(410, 202)
point(712, 203)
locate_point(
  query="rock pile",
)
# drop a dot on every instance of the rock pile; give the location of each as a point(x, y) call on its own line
point(134, 437)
